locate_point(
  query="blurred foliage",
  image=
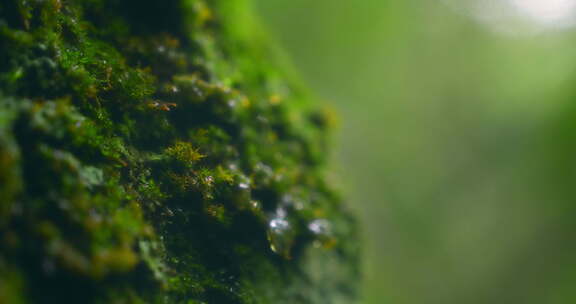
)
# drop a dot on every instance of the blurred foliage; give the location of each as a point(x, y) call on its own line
point(457, 142)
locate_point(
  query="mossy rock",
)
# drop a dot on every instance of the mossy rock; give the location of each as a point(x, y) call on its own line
point(153, 152)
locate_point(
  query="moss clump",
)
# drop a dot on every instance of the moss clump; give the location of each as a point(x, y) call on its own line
point(150, 153)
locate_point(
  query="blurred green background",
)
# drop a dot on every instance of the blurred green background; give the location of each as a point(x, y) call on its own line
point(457, 140)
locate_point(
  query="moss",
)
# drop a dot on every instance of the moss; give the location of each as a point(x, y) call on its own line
point(151, 152)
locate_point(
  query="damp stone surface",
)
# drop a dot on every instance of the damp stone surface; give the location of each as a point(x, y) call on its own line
point(156, 152)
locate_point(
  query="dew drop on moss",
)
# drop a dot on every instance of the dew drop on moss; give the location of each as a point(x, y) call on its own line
point(319, 227)
point(280, 233)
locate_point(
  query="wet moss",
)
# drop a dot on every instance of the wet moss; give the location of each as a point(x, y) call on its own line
point(151, 152)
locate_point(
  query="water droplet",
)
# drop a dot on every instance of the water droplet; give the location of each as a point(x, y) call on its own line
point(319, 227)
point(243, 193)
point(233, 166)
point(280, 233)
point(232, 103)
point(255, 205)
point(198, 92)
point(279, 225)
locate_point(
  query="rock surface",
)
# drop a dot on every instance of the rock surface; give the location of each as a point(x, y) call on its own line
point(152, 152)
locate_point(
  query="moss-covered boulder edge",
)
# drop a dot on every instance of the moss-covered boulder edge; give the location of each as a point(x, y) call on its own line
point(150, 152)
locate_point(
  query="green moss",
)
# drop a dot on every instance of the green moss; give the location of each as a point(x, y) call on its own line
point(151, 152)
